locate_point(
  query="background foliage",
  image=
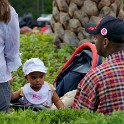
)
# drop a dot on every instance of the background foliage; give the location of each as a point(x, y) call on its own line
point(41, 46)
point(36, 7)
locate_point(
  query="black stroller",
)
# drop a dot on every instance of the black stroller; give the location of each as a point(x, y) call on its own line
point(83, 59)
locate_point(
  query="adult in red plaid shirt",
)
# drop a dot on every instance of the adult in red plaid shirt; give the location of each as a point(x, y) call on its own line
point(102, 89)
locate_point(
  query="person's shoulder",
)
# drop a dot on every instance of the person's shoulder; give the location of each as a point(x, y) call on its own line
point(13, 11)
point(99, 68)
point(50, 85)
point(95, 71)
point(21, 91)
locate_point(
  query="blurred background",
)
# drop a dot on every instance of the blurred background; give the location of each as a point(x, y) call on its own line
point(35, 7)
point(64, 19)
point(31, 10)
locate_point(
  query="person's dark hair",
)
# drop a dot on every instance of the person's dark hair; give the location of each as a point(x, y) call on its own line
point(4, 11)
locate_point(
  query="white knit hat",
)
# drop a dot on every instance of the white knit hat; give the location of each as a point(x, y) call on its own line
point(32, 65)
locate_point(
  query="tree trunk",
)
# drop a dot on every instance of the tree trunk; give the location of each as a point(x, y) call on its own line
point(69, 17)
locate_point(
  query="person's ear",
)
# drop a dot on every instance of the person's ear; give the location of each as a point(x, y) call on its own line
point(105, 43)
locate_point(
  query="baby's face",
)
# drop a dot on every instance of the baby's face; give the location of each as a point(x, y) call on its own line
point(36, 80)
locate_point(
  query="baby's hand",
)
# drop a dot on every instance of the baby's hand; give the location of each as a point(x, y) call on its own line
point(13, 78)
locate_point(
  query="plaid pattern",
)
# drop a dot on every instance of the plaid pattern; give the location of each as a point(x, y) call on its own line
point(102, 89)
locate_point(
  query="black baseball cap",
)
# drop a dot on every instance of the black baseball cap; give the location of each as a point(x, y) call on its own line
point(109, 27)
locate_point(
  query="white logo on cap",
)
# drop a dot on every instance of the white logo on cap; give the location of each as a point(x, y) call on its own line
point(103, 31)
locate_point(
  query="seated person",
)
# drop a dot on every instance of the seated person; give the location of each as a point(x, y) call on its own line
point(102, 88)
point(36, 92)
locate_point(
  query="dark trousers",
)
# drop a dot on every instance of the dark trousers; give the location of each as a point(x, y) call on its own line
point(5, 97)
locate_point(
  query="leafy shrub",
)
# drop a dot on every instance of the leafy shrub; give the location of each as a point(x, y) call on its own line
point(63, 116)
point(41, 46)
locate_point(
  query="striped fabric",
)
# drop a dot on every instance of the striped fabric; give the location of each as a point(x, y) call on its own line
point(102, 89)
point(9, 47)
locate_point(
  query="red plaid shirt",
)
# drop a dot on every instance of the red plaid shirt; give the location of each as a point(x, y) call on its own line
point(102, 89)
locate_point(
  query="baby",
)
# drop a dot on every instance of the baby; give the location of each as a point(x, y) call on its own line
point(37, 92)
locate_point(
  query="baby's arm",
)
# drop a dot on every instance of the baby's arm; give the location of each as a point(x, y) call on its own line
point(56, 100)
point(16, 95)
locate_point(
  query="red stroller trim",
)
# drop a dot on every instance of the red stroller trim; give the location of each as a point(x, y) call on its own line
point(78, 50)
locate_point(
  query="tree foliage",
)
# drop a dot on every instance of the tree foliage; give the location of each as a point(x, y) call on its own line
point(36, 7)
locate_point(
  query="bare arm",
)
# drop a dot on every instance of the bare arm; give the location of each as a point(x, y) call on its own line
point(56, 100)
point(16, 95)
